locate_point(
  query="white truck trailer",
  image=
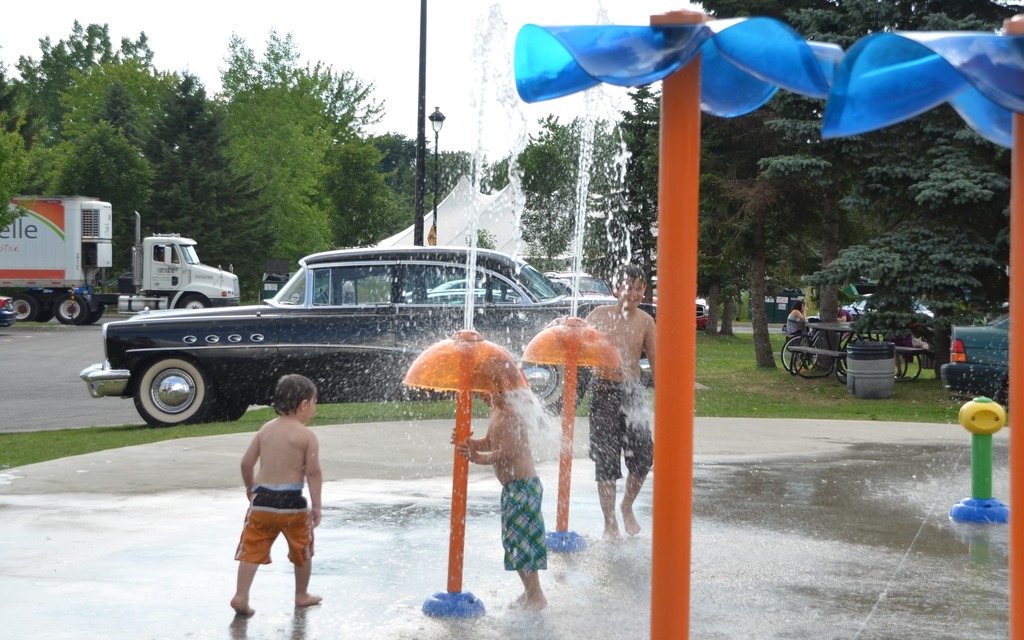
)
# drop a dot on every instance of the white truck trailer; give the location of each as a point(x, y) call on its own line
point(54, 257)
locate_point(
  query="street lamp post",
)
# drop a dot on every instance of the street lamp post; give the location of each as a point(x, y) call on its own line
point(436, 121)
point(417, 233)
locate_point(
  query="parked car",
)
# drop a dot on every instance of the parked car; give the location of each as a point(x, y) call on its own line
point(8, 316)
point(979, 361)
point(858, 308)
point(352, 320)
point(702, 314)
point(588, 286)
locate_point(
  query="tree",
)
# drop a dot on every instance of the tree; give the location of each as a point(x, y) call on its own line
point(13, 171)
point(10, 115)
point(197, 192)
point(912, 263)
point(398, 168)
point(283, 122)
point(550, 175)
point(933, 175)
point(626, 194)
point(127, 94)
point(837, 185)
point(13, 158)
point(364, 210)
point(59, 68)
point(109, 110)
point(102, 163)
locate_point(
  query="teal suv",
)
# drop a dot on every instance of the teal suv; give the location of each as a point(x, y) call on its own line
point(979, 361)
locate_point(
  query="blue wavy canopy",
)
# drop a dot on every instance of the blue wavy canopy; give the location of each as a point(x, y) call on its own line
point(886, 78)
point(744, 61)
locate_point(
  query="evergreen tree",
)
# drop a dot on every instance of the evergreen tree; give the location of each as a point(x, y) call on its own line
point(851, 189)
point(101, 162)
point(398, 169)
point(196, 192)
point(929, 175)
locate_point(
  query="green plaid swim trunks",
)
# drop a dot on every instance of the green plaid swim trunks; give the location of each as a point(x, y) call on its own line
point(522, 525)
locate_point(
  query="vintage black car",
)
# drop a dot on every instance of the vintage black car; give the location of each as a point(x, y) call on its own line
point(352, 320)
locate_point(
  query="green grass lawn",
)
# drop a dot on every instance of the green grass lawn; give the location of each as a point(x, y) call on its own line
point(725, 365)
point(737, 388)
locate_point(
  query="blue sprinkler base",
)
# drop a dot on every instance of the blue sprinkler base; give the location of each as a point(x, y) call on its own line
point(445, 604)
point(564, 541)
point(980, 510)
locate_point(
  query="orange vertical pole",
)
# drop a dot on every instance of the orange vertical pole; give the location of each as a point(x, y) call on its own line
point(1016, 365)
point(460, 481)
point(572, 358)
point(675, 373)
point(1015, 26)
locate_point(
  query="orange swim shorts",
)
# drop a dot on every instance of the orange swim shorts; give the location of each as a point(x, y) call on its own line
point(262, 527)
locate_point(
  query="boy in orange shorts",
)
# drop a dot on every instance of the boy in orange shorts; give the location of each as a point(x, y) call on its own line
point(289, 454)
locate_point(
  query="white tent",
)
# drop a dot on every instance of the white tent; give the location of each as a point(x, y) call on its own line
point(495, 214)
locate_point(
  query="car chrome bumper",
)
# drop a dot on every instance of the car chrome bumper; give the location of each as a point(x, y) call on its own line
point(104, 381)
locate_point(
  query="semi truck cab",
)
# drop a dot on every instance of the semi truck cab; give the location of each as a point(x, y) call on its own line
point(168, 274)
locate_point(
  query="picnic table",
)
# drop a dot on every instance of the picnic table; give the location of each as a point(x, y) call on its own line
point(911, 359)
point(822, 352)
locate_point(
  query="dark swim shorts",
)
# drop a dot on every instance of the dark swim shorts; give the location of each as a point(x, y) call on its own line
point(619, 427)
point(273, 513)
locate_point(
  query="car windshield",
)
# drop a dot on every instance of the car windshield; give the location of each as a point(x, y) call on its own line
point(294, 292)
point(860, 306)
point(594, 285)
point(539, 287)
point(189, 253)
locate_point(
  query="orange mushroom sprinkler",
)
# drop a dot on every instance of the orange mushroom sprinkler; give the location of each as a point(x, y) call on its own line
point(569, 342)
point(463, 363)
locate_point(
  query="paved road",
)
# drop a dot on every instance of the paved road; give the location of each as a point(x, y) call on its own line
point(39, 385)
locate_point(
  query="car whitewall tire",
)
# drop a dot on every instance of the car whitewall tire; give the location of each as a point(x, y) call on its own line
point(172, 391)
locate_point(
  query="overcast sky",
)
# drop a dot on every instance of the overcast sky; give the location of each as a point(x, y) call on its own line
point(378, 41)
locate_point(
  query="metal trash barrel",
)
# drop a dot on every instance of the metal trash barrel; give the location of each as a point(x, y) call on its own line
point(870, 369)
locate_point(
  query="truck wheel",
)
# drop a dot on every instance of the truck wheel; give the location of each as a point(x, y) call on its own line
point(94, 316)
point(27, 308)
point(193, 302)
point(71, 309)
point(173, 391)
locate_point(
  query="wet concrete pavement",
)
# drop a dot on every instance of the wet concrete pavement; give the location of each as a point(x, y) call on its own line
point(801, 529)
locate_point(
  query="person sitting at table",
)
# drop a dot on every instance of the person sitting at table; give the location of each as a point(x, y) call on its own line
point(797, 319)
point(842, 315)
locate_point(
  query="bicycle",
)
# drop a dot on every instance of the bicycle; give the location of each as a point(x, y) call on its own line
point(827, 355)
point(794, 361)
